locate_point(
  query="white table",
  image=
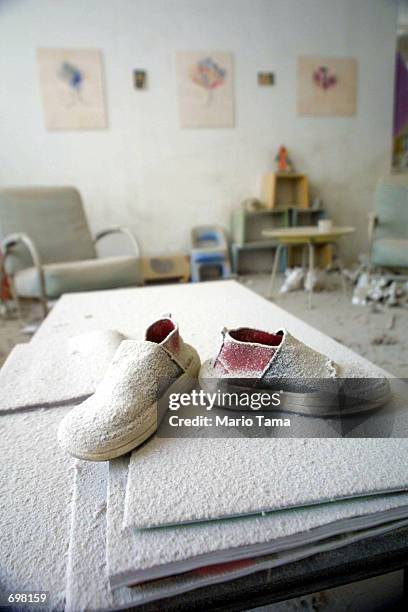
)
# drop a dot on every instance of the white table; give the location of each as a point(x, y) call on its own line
point(36, 476)
point(307, 236)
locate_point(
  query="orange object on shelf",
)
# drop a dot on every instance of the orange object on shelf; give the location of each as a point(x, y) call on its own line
point(283, 160)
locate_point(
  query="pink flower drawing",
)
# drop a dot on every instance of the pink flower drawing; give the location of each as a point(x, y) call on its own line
point(323, 78)
point(208, 75)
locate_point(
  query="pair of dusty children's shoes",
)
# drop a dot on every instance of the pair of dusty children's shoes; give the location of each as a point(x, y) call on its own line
point(123, 412)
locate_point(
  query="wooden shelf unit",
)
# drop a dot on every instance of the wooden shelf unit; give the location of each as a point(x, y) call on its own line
point(280, 189)
point(248, 226)
point(247, 236)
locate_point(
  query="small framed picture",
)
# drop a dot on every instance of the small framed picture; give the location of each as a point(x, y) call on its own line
point(266, 78)
point(140, 79)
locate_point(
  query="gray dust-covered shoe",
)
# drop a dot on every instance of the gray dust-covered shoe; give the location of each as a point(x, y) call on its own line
point(124, 410)
point(310, 383)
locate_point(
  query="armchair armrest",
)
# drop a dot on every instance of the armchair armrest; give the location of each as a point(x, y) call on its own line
point(14, 239)
point(119, 230)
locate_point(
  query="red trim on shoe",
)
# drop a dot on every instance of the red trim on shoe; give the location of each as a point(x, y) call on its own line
point(247, 351)
point(246, 334)
point(159, 330)
point(165, 333)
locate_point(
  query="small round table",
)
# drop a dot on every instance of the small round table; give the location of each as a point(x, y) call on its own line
point(309, 236)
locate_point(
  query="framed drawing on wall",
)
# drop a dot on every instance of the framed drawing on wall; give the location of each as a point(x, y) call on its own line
point(205, 89)
point(327, 86)
point(71, 83)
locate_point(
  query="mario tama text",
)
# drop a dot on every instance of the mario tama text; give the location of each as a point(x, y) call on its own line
point(258, 420)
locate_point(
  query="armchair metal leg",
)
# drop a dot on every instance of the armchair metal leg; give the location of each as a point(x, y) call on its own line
point(15, 296)
point(44, 306)
point(43, 297)
point(8, 243)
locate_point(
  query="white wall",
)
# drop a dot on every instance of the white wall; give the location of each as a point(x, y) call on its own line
point(146, 172)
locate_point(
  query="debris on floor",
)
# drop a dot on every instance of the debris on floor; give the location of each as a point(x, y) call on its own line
point(295, 279)
point(8, 309)
point(384, 339)
point(380, 289)
point(30, 329)
point(353, 274)
point(315, 281)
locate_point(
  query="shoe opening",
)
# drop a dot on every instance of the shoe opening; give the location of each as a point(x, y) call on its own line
point(245, 334)
point(158, 331)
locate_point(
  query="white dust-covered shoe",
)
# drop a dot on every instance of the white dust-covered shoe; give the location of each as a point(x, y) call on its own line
point(124, 410)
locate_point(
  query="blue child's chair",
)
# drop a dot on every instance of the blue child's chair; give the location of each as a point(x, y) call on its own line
point(209, 249)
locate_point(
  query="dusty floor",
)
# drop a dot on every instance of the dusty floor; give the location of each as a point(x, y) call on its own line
point(14, 330)
point(377, 333)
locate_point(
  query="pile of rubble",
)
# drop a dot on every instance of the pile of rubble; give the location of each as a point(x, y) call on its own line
point(379, 289)
point(368, 288)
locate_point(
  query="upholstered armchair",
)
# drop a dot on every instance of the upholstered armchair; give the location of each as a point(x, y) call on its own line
point(48, 249)
point(388, 224)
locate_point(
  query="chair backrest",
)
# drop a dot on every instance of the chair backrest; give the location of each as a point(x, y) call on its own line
point(208, 236)
point(53, 217)
point(391, 207)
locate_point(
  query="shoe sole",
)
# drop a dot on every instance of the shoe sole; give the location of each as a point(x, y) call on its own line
point(183, 384)
point(313, 404)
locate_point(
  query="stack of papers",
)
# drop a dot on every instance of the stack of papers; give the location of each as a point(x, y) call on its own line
point(155, 537)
